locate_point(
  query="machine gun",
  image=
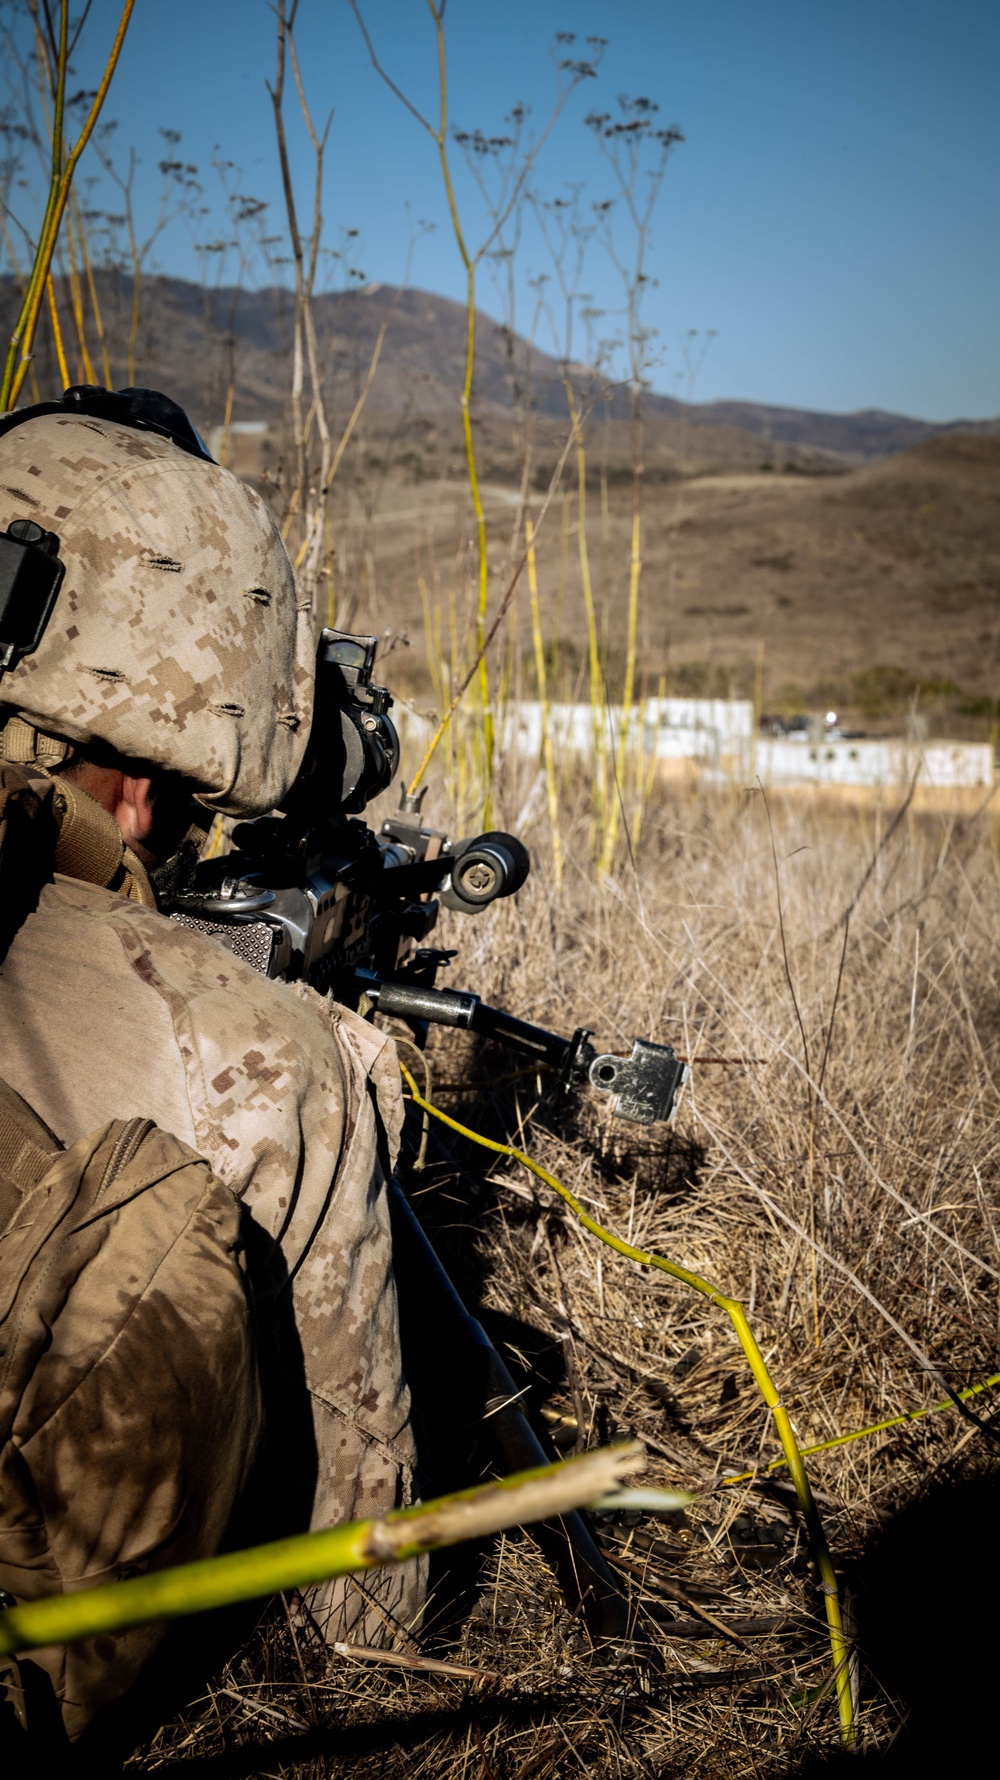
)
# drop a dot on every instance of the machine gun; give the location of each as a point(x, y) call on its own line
point(312, 893)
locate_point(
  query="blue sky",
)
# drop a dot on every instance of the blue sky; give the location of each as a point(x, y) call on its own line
point(832, 213)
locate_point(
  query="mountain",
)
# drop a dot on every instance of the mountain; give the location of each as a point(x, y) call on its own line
point(193, 341)
point(860, 437)
point(851, 559)
point(876, 590)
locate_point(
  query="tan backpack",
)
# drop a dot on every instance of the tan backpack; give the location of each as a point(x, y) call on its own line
point(129, 1396)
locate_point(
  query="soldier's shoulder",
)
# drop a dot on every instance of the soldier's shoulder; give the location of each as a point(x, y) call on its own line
point(179, 962)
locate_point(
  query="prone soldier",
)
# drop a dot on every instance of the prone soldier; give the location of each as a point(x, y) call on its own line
point(178, 663)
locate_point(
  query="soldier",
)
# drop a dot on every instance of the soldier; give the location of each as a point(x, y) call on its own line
point(179, 661)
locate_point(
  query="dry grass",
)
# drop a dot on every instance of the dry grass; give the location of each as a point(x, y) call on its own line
point(852, 1209)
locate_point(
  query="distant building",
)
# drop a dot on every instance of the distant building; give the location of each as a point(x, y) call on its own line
point(715, 738)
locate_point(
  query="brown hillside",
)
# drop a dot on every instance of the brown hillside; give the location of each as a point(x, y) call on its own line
point(895, 566)
point(891, 563)
point(192, 339)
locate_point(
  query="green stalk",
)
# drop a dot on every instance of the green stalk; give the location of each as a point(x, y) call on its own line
point(22, 339)
point(548, 759)
point(539, 1494)
point(892, 1421)
point(465, 400)
point(593, 647)
point(628, 694)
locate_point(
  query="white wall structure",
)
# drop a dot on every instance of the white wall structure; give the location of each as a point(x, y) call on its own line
point(708, 730)
point(718, 736)
point(729, 719)
point(873, 760)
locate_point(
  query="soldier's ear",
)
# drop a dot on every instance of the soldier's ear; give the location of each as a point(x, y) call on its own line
point(135, 812)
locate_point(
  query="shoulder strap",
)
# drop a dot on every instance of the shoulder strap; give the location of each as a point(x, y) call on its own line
point(90, 846)
point(29, 831)
point(27, 1148)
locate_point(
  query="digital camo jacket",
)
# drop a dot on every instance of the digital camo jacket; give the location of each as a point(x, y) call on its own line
point(109, 1009)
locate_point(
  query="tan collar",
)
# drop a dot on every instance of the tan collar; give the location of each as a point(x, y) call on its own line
point(90, 845)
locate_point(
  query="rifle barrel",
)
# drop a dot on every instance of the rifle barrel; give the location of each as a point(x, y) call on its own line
point(459, 1007)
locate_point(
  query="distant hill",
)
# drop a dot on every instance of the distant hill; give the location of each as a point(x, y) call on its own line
point(853, 589)
point(854, 558)
point(192, 340)
point(861, 437)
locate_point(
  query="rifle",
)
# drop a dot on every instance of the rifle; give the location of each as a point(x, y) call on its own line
point(313, 893)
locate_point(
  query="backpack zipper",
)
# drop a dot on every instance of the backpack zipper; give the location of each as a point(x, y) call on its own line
point(133, 1133)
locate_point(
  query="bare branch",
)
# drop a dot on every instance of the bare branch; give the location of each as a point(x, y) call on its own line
point(390, 83)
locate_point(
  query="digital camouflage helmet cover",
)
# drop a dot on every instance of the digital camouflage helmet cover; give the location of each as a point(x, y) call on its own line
point(179, 636)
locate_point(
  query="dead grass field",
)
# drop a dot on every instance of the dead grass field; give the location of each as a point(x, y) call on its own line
point(838, 1173)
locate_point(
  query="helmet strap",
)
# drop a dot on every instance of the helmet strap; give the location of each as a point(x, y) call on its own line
point(24, 745)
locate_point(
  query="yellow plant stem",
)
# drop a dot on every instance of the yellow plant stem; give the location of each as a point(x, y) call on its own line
point(634, 581)
point(22, 338)
point(482, 672)
point(755, 1359)
point(57, 333)
point(215, 845)
point(46, 78)
point(605, 555)
point(92, 288)
point(593, 646)
point(307, 1558)
point(498, 618)
point(482, 599)
point(76, 296)
point(548, 759)
point(892, 1421)
point(23, 335)
point(563, 586)
point(628, 693)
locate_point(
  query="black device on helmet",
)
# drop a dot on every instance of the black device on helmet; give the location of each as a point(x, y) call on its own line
point(30, 578)
point(148, 410)
point(353, 750)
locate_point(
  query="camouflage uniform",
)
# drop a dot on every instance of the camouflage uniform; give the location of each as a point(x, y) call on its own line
point(109, 1009)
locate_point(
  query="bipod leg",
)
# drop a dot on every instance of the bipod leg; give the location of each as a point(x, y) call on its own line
point(448, 1357)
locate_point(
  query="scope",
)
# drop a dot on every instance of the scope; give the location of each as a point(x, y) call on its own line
point(353, 750)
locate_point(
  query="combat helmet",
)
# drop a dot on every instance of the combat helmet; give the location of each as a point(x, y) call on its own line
point(178, 634)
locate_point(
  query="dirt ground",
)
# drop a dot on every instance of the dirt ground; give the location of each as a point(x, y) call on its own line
point(849, 587)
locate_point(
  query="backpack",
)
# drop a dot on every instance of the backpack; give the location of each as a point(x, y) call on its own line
point(129, 1396)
